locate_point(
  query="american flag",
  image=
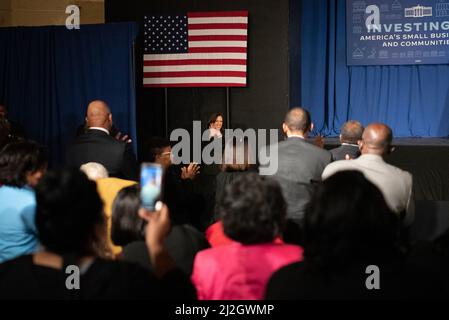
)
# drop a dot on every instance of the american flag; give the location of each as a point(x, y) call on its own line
point(197, 49)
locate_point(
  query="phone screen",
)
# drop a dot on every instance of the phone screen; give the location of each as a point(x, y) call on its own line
point(151, 185)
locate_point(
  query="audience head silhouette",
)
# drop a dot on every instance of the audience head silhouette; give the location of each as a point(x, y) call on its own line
point(99, 115)
point(347, 221)
point(297, 122)
point(158, 150)
point(22, 163)
point(252, 209)
point(127, 226)
point(376, 139)
point(351, 132)
point(69, 213)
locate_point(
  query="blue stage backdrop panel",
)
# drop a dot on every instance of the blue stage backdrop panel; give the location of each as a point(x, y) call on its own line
point(48, 75)
point(412, 99)
point(385, 32)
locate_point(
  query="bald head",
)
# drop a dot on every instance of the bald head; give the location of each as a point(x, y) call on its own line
point(99, 115)
point(376, 139)
point(297, 120)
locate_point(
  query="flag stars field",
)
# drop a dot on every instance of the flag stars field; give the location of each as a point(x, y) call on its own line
point(202, 49)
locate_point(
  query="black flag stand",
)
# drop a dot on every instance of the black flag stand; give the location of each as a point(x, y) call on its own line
point(166, 111)
point(228, 115)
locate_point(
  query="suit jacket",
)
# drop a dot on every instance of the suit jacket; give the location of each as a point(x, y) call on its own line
point(98, 146)
point(300, 165)
point(394, 183)
point(341, 152)
point(184, 203)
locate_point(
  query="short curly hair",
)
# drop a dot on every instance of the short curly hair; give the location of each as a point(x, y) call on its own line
point(252, 209)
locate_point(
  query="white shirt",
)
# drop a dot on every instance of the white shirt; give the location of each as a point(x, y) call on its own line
point(394, 183)
point(295, 136)
point(214, 133)
point(99, 128)
point(349, 144)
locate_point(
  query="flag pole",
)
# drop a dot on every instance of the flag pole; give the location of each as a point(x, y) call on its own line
point(228, 116)
point(166, 111)
point(133, 132)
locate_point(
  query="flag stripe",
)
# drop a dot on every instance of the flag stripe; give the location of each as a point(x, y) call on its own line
point(199, 44)
point(187, 74)
point(243, 20)
point(203, 67)
point(193, 85)
point(206, 32)
point(195, 80)
point(218, 26)
point(218, 38)
point(213, 52)
point(181, 62)
point(217, 49)
point(229, 55)
point(218, 14)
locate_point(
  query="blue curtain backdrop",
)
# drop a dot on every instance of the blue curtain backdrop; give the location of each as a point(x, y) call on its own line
point(413, 100)
point(48, 75)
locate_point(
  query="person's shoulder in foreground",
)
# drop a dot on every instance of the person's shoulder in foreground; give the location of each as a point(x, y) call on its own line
point(20, 278)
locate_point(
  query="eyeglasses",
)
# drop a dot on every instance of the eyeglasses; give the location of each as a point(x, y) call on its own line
point(164, 154)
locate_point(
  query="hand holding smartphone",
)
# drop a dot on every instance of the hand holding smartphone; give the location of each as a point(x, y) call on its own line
point(151, 185)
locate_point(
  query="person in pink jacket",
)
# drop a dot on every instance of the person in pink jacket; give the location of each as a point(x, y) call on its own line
point(253, 212)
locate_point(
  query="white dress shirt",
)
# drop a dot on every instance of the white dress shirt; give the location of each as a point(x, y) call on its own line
point(99, 128)
point(295, 136)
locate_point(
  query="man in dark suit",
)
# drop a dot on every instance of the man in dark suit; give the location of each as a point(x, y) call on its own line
point(350, 134)
point(96, 145)
point(300, 163)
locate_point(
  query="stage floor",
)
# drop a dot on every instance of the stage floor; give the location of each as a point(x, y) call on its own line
point(434, 142)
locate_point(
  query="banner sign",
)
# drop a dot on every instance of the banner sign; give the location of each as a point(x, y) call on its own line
point(395, 32)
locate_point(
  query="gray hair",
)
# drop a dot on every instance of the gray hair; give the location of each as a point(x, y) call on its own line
point(94, 170)
point(351, 131)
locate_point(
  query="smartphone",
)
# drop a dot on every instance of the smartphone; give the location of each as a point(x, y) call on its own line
point(150, 185)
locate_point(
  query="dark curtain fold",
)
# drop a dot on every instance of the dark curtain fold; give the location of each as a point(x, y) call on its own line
point(413, 100)
point(48, 75)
